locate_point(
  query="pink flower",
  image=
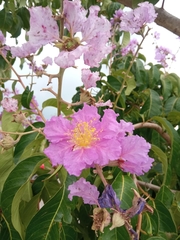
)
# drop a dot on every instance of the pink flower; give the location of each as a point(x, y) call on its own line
point(9, 104)
point(25, 50)
point(162, 55)
point(47, 61)
point(134, 155)
point(130, 48)
point(134, 20)
point(104, 104)
point(84, 189)
point(84, 141)
point(43, 30)
point(89, 78)
point(95, 33)
point(2, 38)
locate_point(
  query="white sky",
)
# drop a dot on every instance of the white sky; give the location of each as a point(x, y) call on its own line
point(72, 76)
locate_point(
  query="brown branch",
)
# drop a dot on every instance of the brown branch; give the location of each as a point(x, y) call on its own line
point(152, 186)
point(164, 19)
point(155, 127)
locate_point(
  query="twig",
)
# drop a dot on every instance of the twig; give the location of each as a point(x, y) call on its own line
point(155, 127)
point(152, 186)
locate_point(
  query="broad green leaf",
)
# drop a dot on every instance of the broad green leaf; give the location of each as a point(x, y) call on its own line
point(8, 125)
point(155, 238)
point(114, 83)
point(115, 234)
point(6, 165)
point(41, 224)
point(26, 140)
point(175, 140)
point(112, 7)
point(162, 158)
point(154, 76)
point(52, 102)
point(67, 232)
point(150, 224)
point(24, 193)
point(125, 39)
point(24, 14)
point(123, 185)
point(170, 104)
point(26, 98)
point(131, 84)
point(167, 87)
point(20, 175)
point(165, 218)
point(29, 209)
point(174, 117)
point(153, 105)
point(165, 195)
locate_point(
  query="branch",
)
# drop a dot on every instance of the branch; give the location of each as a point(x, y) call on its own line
point(164, 19)
point(152, 186)
point(155, 127)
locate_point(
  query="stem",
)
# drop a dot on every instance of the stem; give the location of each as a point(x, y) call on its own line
point(129, 68)
point(39, 130)
point(153, 187)
point(155, 127)
point(100, 173)
point(139, 223)
point(60, 79)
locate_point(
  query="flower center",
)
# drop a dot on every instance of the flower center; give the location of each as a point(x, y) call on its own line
point(84, 135)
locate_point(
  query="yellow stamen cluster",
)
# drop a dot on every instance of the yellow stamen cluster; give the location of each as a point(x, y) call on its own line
point(84, 135)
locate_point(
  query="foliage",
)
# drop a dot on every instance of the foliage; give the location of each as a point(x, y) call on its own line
point(34, 201)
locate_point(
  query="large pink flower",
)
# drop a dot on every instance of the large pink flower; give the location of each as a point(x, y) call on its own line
point(84, 141)
point(134, 155)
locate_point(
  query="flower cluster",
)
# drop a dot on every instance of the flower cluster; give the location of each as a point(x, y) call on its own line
point(108, 199)
point(9, 104)
point(130, 48)
point(133, 21)
point(163, 54)
point(95, 34)
point(88, 140)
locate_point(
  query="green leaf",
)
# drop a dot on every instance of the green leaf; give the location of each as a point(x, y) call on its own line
point(166, 87)
point(52, 102)
point(165, 218)
point(26, 140)
point(8, 125)
point(115, 234)
point(122, 185)
point(174, 117)
point(170, 104)
point(19, 176)
point(112, 7)
point(114, 83)
point(174, 157)
point(163, 159)
point(6, 165)
point(26, 98)
point(125, 39)
point(41, 224)
point(131, 84)
point(153, 105)
point(165, 195)
point(24, 14)
point(67, 232)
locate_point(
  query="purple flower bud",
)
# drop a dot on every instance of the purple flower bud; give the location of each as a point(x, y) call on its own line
point(109, 199)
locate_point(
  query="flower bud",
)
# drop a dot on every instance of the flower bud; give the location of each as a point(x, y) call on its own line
point(7, 142)
point(19, 117)
point(85, 97)
point(117, 220)
point(101, 219)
